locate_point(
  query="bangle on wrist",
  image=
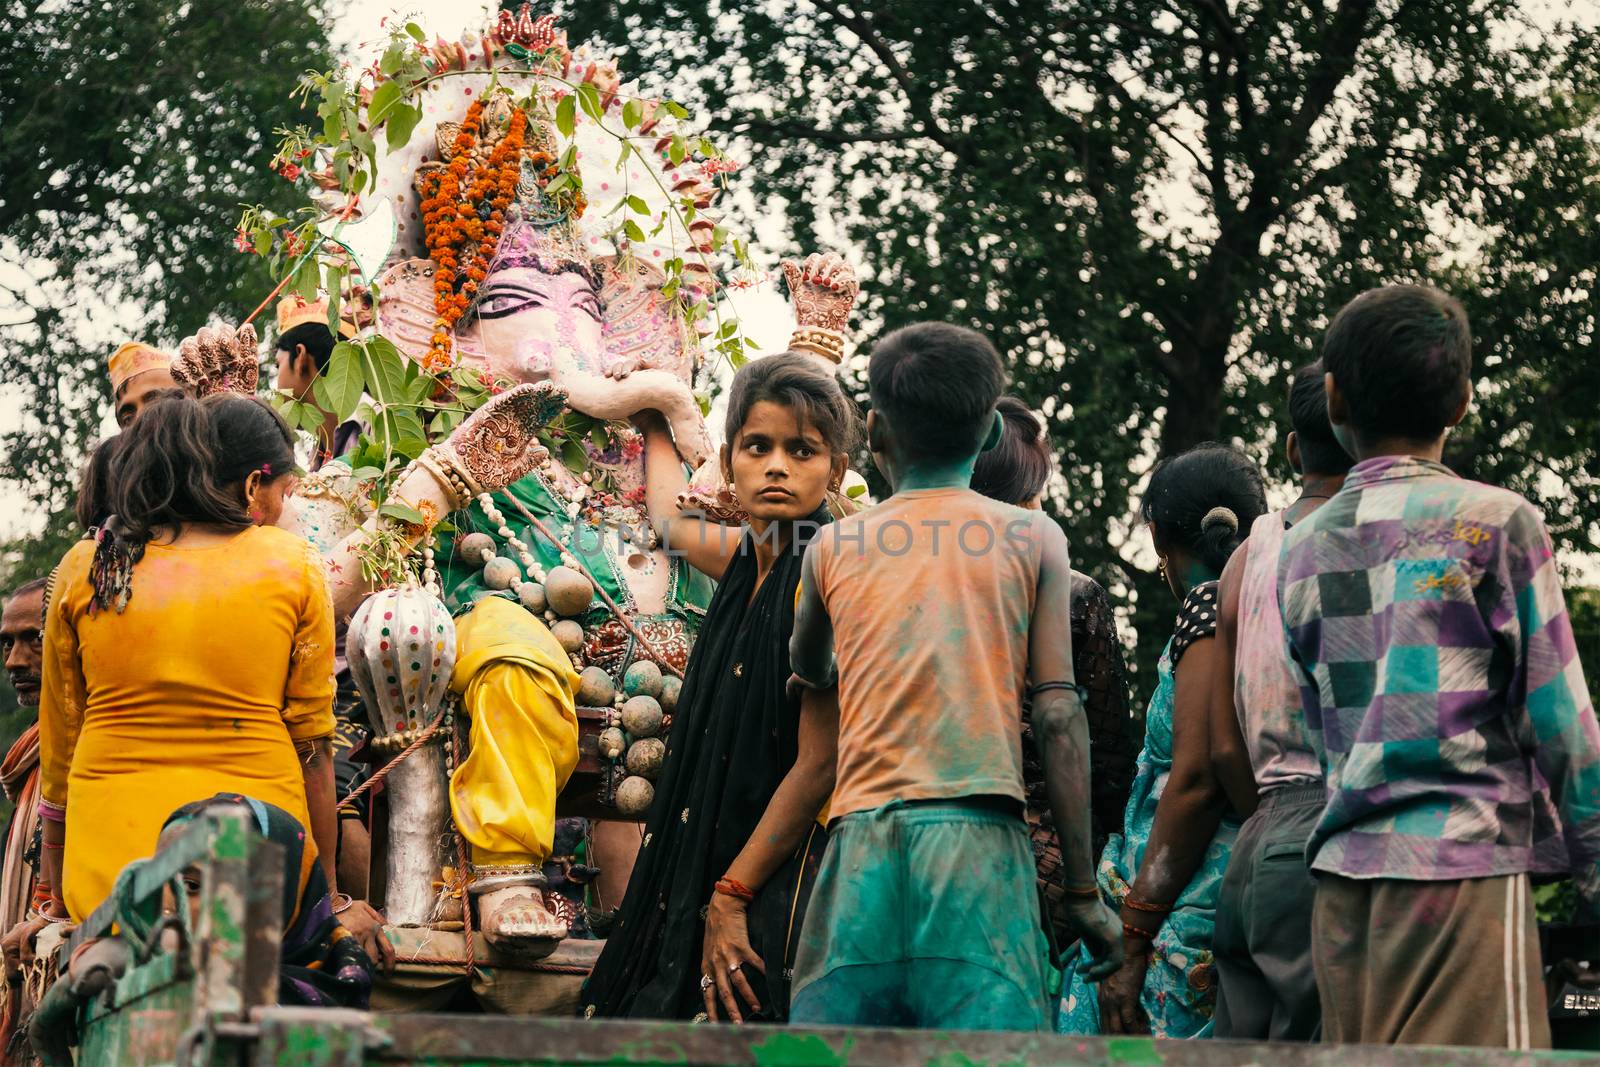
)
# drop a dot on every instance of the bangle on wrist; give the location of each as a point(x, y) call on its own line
point(1133, 933)
point(1149, 909)
point(342, 903)
point(47, 913)
point(732, 887)
point(826, 343)
point(447, 472)
point(821, 687)
point(1086, 892)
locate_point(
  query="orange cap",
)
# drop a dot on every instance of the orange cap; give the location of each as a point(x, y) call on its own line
point(293, 311)
point(133, 358)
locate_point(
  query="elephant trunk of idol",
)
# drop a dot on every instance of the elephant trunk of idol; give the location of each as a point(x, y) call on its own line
point(600, 397)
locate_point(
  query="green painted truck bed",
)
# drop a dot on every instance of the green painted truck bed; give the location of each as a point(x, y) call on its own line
point(201, 986)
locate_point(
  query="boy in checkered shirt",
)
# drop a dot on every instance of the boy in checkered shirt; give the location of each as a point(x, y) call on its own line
point(1444, 697)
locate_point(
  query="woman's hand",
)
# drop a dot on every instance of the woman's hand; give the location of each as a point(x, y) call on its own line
point(823, 290)
point(218, 359)
point(1120, 1010)
point(17, 945)
point(498, 444)
point(366, 923)
point(727, 950)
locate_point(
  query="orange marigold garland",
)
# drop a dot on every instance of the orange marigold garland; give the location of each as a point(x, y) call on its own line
point(463, 219)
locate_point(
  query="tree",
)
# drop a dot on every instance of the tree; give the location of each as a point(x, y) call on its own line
point(1154, 207)
point(130, 133)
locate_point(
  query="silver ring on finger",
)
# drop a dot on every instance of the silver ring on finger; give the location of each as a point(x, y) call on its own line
point(706, 982)
point(733, 968)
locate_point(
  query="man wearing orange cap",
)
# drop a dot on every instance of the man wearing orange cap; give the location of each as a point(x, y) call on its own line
point(140, 375)
point(304, 346)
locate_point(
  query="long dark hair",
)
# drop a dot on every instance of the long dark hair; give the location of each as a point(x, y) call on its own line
point(1017, 469)
point(180, 462)
point(1205, 500)
point(795, 381)
point(94, 485)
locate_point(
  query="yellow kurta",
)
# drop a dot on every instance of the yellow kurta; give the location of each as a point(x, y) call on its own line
point(222, 660)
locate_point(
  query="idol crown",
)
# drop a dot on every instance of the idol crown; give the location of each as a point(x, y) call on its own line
point(534, 34)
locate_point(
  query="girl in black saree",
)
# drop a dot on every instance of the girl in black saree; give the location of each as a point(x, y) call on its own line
point(734, 830)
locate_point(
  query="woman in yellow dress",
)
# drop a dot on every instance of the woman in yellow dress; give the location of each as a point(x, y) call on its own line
point(189, 651)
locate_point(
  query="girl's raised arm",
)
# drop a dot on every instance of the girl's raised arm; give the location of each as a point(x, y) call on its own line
point(708, 546)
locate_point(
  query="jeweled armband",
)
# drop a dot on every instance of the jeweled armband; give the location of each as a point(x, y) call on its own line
point(825, 343)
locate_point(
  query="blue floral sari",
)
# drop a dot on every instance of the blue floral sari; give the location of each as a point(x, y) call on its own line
point(1180, 987)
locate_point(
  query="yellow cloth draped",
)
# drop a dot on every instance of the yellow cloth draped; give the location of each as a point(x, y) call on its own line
point(519, 689)
point(221, 662)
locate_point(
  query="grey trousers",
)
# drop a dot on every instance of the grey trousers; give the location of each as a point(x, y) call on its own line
point(1267, 989)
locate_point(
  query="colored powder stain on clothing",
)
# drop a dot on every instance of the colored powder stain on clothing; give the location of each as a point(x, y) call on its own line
point(916, 921)
point(1179, 994)
point(1441, 682)
point(133, 701)
point(931, 645)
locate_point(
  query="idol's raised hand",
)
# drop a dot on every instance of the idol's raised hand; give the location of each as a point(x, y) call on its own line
point(823, 290)
point(218, 359)
point(498, 444)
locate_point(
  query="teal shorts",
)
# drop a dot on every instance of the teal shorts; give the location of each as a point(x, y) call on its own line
point(924, 915)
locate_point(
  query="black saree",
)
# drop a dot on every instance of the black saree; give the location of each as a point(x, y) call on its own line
point(734, 737)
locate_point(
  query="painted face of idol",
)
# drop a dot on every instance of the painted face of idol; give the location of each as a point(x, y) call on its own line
point(529, 320)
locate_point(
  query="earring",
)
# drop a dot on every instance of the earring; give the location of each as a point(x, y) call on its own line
point(1161, 568)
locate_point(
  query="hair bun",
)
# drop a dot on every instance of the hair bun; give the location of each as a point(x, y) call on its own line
point(1220, 516)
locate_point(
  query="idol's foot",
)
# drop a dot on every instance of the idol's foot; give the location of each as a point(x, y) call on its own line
point(516, 920)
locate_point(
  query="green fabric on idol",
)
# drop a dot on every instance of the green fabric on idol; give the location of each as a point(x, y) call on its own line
point(688, 593)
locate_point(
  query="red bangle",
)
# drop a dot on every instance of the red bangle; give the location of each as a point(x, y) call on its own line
point(1130, 930)
point(1150, 909)
point(732, 887)
point(1088, 892)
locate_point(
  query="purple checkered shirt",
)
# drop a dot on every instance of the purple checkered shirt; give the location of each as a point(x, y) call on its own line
point(1441, 683)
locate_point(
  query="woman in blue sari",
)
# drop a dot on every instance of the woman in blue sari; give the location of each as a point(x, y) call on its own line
point(1165, 869)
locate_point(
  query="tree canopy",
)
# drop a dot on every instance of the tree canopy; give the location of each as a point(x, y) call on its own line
point(130, 133)
point(1154, 208)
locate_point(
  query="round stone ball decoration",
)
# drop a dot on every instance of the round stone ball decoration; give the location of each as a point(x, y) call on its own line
point(568, 592)
point(641, 716)
point(595, 689)
point(476, 549)
point(501, 573)
point(568, 634)
point(645, 756)
point(531, 596)
point(643, 678)
point(671, 686)
point(634, 796)
point(611, 742)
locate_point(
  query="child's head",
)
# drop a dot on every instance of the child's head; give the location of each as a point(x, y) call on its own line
point(1016, 470)
point(934, 388)
point(1200, 506)
point(1400, 361)
point(1313, 448)
point(789, 431)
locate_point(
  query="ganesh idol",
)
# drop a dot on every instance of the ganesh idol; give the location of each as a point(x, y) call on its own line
point(566, 611)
